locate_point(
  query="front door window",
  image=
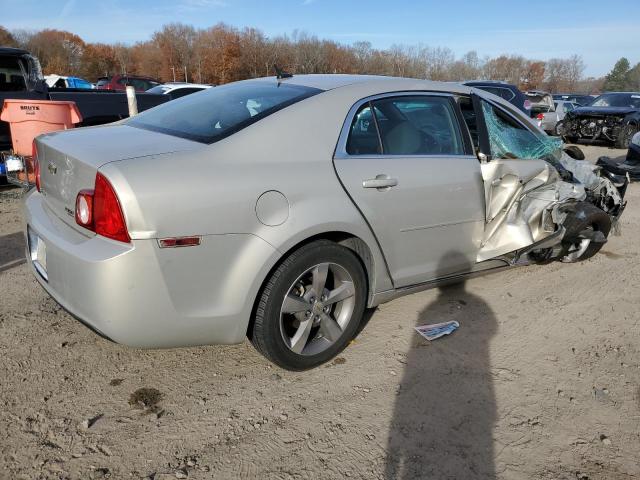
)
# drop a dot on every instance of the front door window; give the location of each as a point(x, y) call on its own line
point(510, 139)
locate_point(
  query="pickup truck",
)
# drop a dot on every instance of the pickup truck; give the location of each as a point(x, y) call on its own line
point(21, 78)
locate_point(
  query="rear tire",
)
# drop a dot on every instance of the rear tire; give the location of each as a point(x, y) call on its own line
point(298, 322)
point(585, 217)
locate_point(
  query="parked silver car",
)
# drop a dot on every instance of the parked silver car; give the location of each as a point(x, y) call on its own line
point(550, 119)
point(280, 209)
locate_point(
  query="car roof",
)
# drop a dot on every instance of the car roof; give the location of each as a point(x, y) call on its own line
point(489, 83)
point(13, 51)
point(177, 85)
point(367, 82)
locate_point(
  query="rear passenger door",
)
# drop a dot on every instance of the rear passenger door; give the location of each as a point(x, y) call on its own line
point(407, 165)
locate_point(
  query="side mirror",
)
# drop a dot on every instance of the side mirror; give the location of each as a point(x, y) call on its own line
point(482, 157)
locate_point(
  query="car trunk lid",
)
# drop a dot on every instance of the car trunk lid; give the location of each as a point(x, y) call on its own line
point(70, 159)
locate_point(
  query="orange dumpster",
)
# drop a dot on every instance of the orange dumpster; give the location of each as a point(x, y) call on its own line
point(29, 118)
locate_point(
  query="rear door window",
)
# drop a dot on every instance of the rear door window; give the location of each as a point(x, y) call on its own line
point(419, 125)
point(221, 111)
point(363, 135)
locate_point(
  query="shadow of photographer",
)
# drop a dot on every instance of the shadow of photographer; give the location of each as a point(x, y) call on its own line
point(442, 425)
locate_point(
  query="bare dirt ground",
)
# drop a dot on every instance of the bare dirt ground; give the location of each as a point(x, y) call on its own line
point(541, 381)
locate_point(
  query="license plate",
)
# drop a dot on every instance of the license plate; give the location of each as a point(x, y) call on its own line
point(38, 251)
point(13, 164)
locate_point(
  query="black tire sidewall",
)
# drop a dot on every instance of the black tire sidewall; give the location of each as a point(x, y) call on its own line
point(626, 135)
point(593, 216)
point(267, 325)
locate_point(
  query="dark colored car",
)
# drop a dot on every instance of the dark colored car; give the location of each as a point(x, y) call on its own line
point(612, 117)
point(509, 92)
point(120, 82)
point(582, 100)
point(629, 166)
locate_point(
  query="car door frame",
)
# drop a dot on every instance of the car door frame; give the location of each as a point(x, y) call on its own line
point(501, 166)
point(341, 154)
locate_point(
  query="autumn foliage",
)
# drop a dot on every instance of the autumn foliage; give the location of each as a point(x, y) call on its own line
point(221, 54)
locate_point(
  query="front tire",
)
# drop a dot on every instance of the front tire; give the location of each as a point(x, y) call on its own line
point(626, 134)
point(585, 220)
point(310, 307)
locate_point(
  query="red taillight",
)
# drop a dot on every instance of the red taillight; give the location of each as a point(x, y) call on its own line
point(99, 210)
point(540, 116)
point(108, 219)
point(36, 164)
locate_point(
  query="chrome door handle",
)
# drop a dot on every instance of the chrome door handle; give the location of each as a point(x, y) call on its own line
point(381, 182)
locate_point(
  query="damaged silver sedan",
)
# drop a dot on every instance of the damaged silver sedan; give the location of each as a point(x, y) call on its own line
point(279, 209)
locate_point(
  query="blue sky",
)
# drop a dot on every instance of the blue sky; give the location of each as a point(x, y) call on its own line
point(600, 31)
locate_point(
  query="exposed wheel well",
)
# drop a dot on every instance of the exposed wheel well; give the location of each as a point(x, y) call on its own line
point(352, 242)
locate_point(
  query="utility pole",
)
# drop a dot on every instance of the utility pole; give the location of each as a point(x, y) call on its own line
point(186, 80)
point(174, 73)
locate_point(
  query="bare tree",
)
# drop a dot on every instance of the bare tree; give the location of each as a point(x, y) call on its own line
point(222, 53)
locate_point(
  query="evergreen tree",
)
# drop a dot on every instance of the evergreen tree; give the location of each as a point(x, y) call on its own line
point(633, 83)
point(618, 78)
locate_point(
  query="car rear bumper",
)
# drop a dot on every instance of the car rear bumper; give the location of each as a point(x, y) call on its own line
point(141, 295)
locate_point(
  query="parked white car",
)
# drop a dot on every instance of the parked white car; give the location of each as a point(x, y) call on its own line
point(178, 89)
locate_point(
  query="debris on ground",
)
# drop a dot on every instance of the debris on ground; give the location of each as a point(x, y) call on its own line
point(146, 399)
point(437, 330)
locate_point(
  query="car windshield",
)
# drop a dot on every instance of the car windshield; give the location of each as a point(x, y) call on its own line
point(618, 100)
point(218, 112)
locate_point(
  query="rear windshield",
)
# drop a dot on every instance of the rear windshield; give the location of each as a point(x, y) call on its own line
point(102, 82)
point(218, 112)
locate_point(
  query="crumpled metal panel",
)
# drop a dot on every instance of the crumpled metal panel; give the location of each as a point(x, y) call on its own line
point(525, 190)
point(520, 194)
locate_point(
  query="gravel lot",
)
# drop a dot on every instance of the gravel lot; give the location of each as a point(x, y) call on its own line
point(541, 381)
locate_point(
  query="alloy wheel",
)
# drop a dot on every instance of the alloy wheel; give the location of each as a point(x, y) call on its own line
point(317, 308)
point(578, 248)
